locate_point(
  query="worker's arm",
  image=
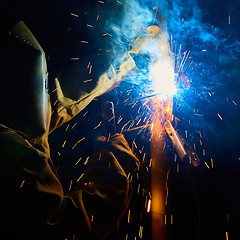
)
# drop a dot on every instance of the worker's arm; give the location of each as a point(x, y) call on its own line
point(34, 197)
point(106, 187)
point(65, 108)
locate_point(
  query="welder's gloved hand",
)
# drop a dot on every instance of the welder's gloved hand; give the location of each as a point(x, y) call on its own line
point(104, 177)
point(106, 193)
point(119, 146)
point(106, 187)
point(142, 40)
point(107, 170)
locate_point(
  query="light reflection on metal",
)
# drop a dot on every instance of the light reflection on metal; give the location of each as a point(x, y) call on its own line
point(176, 140)
point(182, 148)
point(161, 73)
point(158, 169)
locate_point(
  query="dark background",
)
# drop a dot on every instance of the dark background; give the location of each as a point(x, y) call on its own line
point(204, 201)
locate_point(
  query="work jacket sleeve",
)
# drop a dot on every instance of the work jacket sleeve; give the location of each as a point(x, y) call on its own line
point(33, 203)
point(34, 197)
point(106, 187)
point(65, 108)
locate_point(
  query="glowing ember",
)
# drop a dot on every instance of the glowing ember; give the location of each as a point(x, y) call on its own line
point(149, 206)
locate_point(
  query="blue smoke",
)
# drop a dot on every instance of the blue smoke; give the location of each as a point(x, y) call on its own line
point(205, 48)
point(209, 31)
point(204, 38)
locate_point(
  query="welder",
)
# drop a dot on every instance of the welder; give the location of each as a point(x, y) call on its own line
point(33, 202)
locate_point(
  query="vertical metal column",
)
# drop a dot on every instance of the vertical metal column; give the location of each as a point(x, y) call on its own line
point(158, 182)
point(158, 140)
point(163, 111)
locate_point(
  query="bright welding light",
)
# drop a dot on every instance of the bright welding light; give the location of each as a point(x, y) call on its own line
point(162, 74)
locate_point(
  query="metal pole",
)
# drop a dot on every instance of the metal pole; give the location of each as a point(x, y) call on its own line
point(159, 169)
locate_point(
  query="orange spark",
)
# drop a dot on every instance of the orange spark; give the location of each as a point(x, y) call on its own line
point(75, 15)
point(149, 205)
point(90, 70)
point(64, 144)
point(22, 183)
point(89, 80)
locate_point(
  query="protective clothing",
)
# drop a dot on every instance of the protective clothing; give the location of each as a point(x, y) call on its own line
point(34, 206)
point(33, 203)
point(24, 82)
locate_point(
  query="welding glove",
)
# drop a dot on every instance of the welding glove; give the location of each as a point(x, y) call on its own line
point(142, 40)
point(107, 169)
point(105, 185)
